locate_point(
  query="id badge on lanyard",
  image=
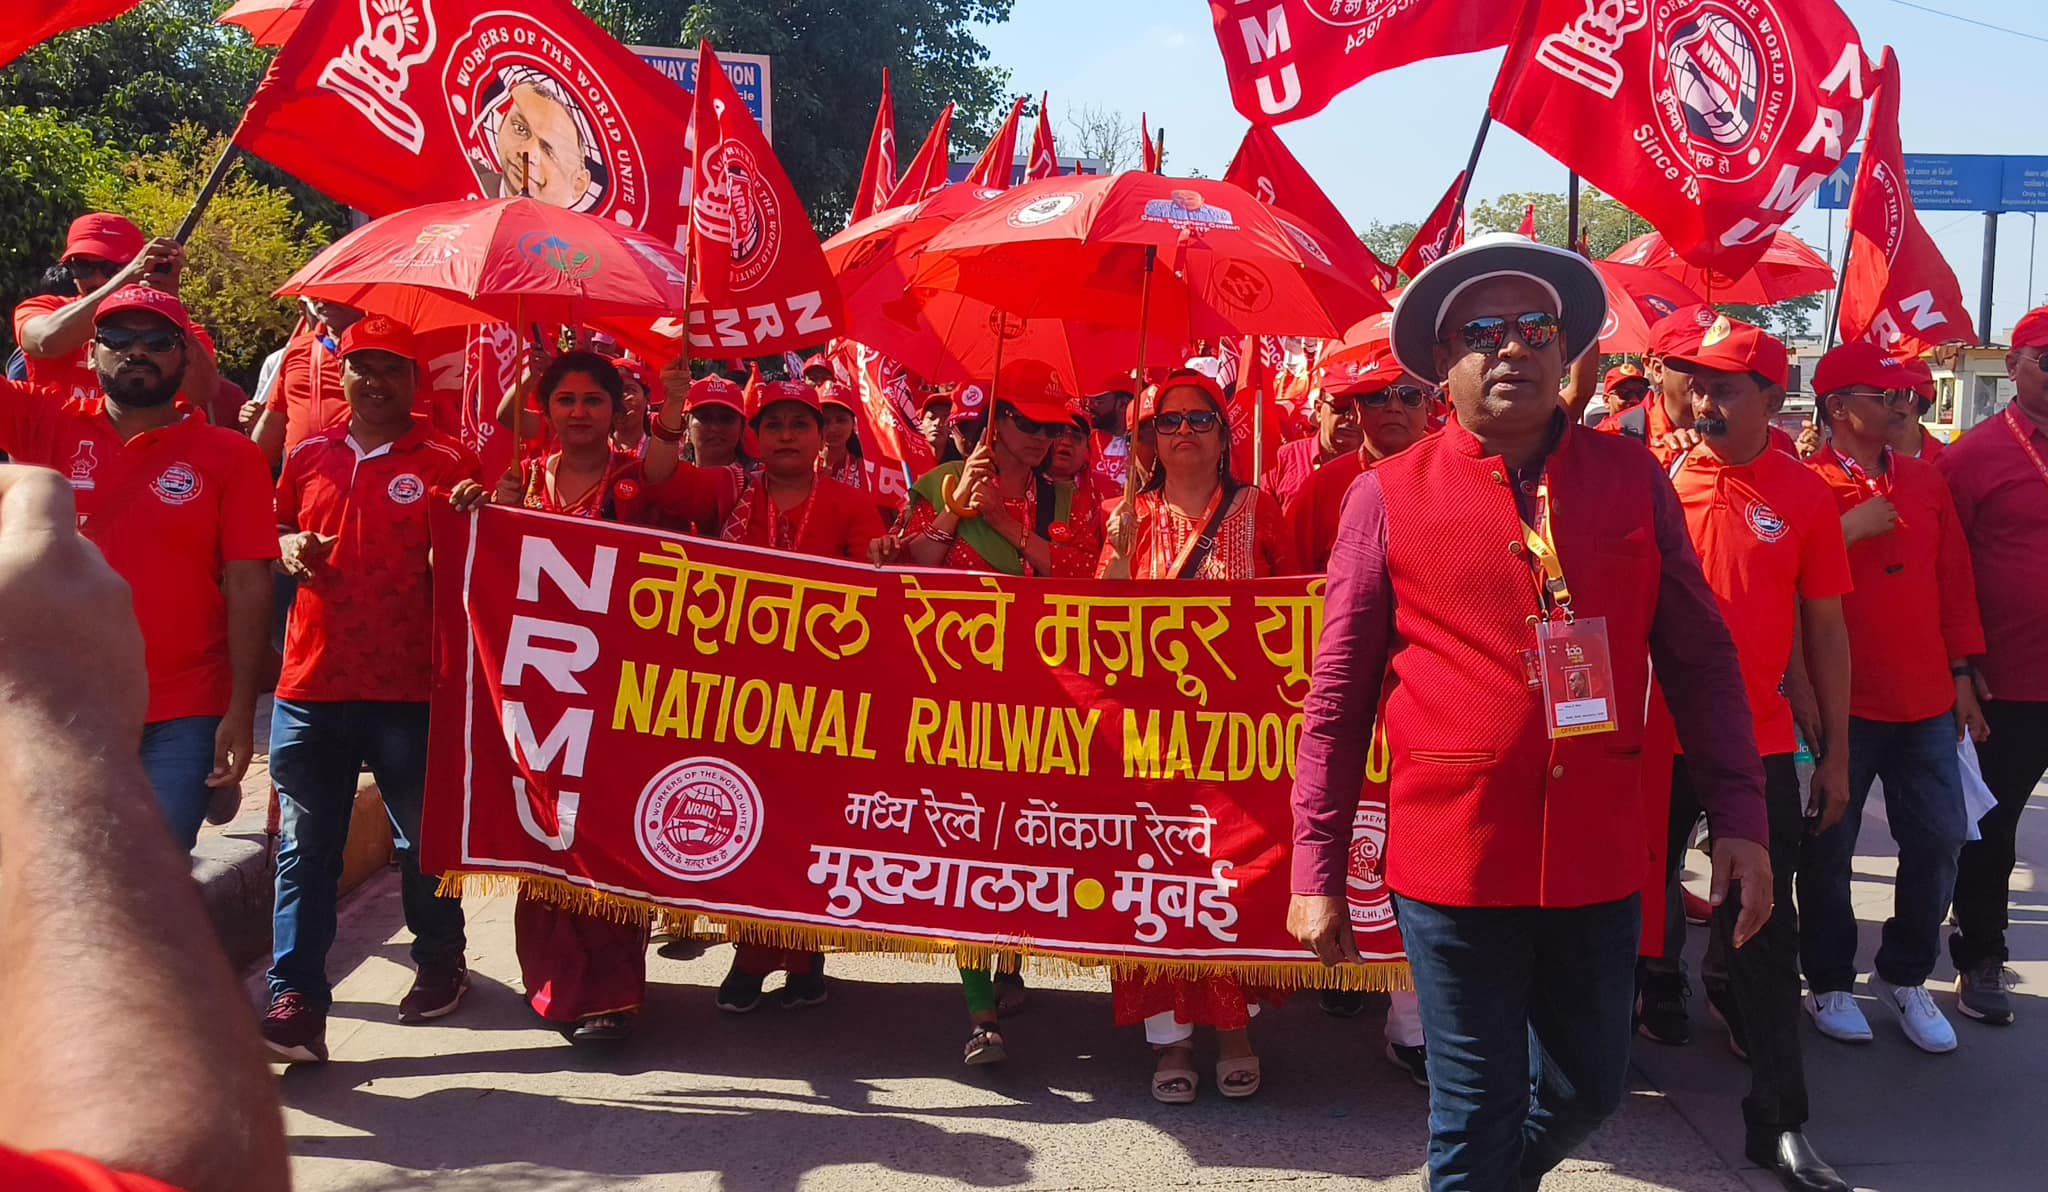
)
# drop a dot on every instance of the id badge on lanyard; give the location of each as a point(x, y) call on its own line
point(1572, 661)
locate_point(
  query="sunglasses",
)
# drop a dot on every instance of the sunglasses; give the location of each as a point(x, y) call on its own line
point(1033, 427)
point(1197, 422)
point(1489, 333)
point(1889, 398)
point(115, 340)
point(1412, 396)
point(81, 268)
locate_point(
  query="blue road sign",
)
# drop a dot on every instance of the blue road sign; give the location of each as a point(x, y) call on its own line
point(1955, 182)
point(748, 72)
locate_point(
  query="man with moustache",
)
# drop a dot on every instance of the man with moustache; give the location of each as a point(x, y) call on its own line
point(181, 510)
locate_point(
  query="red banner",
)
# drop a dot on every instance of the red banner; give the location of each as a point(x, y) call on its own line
point(1287, 59)
point(1713, 119)
point(998, 161)
point(1045, 156)
point(878, 171)
point(926, 173)
point(1267, 169)
point(824, 753)
point(1148, 148)
point(388, 104)
point(37, 21)
point(1442, 232)
point(1899, 291)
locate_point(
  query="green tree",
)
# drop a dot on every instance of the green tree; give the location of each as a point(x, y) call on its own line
point(828, 73)
point(251, 239)
point(47, 166)
point(1388, 240)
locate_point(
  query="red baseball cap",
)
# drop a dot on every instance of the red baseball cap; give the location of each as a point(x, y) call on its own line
point(1731, 345)
point(1864, 363)
point(969, 402)
point(1681, 330)
point(381, 332)
point(143, 298)
point(1366, 371)
point(770, 393)
point(931, 396)
point(105, 236)
point(2032, 329)
point(1148, 401)
point(1623, 372)
point(816, 360)
point(835, 394)
point(1035, 390)
point(715, 391)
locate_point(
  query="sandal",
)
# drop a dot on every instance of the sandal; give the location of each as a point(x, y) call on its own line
point(1238, 1077)
point(1176, 1085)
point(602, 1028)
point(1010, 992)
point(985, 1045)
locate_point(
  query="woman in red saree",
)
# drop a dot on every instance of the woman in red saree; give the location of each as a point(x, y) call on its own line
point(1192, 521)
point(585, 974)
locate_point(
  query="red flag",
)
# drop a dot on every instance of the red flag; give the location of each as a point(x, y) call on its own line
point(762, 282)
point(1264, 167)
point(389, 104)
point(1253, 400)
point(1151, 150)
point(1045, 158)
point(927, 171)
point(1528, 227)
point(1442, 232)
point(1287, 59)
point(998, 163)
point(1898, 291)
point(1714, 120)
point(878, 172)
point(885, 420)
point(37, 21)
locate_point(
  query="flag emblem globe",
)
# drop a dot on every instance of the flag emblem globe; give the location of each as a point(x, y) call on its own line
point(1714, 73)
point(699, 818)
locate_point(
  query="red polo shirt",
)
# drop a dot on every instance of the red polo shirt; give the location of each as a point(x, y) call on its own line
point(2002, 502)
point(1313, 514)
point(59, 1171)
point(1768, 534)
point(1931, 446)
point(169, 509)
point(1915, 604)
point(362, 627)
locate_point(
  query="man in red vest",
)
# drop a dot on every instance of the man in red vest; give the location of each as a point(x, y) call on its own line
point(1506, 584)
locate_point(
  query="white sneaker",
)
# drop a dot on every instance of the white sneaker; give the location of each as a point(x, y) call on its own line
point(1837, 1016)
point(1918, 1016)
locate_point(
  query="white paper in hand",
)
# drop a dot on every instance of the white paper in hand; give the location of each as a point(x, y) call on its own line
point(1977, 798)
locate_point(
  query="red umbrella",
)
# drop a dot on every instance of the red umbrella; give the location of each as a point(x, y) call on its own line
point(269, 22)
point(1366, 337)
point(1636, 298)
point(1789, 269)
point(517, 261)
point(1078, 248)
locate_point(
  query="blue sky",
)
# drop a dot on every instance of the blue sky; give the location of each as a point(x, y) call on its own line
point(1387, 148)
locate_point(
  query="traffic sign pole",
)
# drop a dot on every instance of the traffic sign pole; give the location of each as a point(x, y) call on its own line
point(1990, 270)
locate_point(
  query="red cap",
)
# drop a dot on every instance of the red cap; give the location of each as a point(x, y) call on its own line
point(931, 396)
point(1680, 330)
point(1731, 345)
point(816, 360)
point(1148, 401)
point(641, 371)
point(1864, 363)
point(1366, 371)
point(1623, 372)
point(715, 391)
point(381, 332)
point(969, 402)
point(1077, 413)
point(835, 394)
point(106, 236)
point(769, 393)
point(1035, 390)
point(156, 302)
point(2032, 329)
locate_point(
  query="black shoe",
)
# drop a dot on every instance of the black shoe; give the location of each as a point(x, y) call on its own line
point(1661, 1016)
point(1722, 1002)
point(739, 992)
point(1790, 1157)
point(806, 988)
point(1412, 1060)
point(1343, 1003)
point(600, 1028)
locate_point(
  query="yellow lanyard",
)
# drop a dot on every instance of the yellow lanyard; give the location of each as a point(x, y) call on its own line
point(1544, 547)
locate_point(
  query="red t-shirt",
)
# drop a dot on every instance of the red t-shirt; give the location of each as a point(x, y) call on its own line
point(59, 1171)
point(169, 509)
point(1931, 446)
point(1768, 534)
point(72, 376)
point(362, 627)
point(2002, 501)
point(1915, 604)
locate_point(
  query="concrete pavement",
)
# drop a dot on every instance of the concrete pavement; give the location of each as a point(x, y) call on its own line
point(867, 1091)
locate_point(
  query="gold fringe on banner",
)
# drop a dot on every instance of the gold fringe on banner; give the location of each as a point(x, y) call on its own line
point(1381, 977)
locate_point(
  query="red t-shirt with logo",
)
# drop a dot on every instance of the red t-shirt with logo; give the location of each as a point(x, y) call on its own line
point(169, 509)
point(71, 376)
point(60, 1171)
point(1768, 534)
point(362, 627)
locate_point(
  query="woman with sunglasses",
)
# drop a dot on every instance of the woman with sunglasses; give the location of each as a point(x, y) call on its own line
point(584, 974)
point(1393, 409)
point(1193, 521)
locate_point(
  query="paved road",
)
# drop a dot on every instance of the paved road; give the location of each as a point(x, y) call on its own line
point(866, 1091)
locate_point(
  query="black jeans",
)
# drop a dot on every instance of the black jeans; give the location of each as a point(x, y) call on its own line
point(1762, 977)
point(2013, 761)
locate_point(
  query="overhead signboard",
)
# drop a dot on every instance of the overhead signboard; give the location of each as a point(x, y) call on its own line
point(1955, 182)
point(748, 72)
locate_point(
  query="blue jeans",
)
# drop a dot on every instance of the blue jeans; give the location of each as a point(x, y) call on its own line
point(1923, 800)
point(316, 752)
point(1526, 1014)
point(177, 755)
